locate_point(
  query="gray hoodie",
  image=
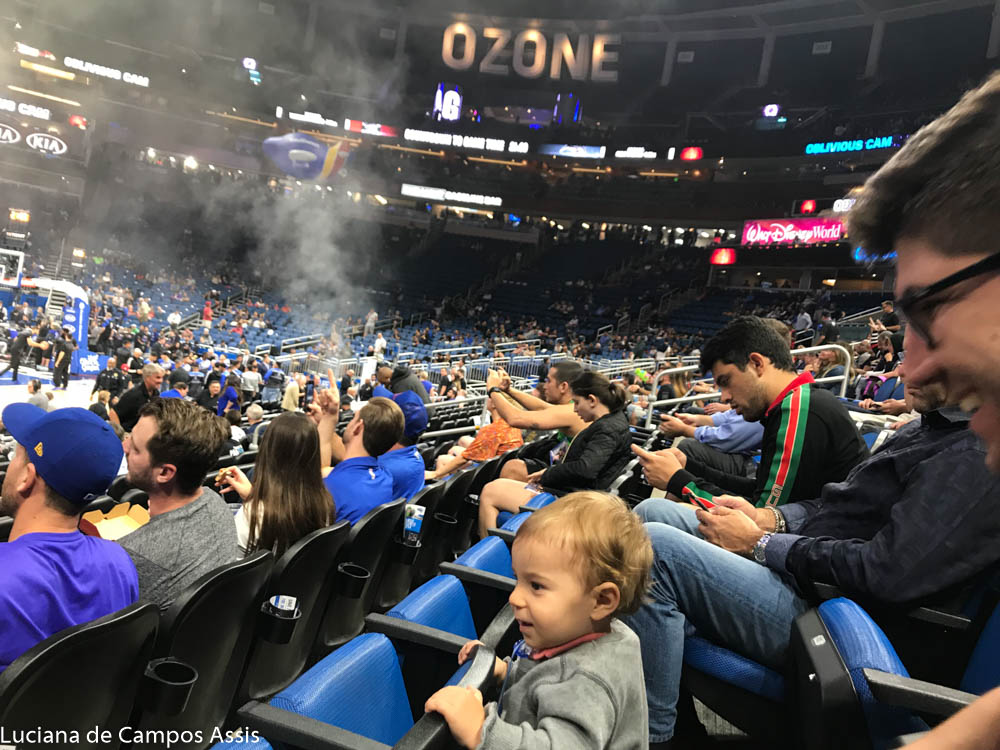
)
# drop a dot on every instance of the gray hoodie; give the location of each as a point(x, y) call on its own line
point(591, 696)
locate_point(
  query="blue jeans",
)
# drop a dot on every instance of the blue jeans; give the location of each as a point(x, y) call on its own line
point(728, 599)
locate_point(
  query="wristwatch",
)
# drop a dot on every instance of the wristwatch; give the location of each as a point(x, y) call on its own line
point(758, 549)
point(494, 389)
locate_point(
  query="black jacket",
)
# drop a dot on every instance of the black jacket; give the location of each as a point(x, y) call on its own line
point(112, 380)
point(404, 380)
point(596, 456)
point(809, 440)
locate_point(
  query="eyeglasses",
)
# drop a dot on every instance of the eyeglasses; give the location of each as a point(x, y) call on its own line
point(919, 307)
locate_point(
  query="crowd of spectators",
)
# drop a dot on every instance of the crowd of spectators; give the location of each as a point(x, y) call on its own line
point(735, 548)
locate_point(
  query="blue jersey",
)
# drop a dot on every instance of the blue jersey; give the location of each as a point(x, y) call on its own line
point(358, 485)
point(406, 468)
point(53, 581)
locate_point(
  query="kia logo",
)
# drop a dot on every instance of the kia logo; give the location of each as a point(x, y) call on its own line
point(70, 317)
point(47, 144)
point(8, 134)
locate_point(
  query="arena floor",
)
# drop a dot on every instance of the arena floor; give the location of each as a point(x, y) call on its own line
point(78, 393)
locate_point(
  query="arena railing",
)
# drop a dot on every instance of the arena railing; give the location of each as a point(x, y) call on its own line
point(507, 346)
point(297, 341)
point(459, 352)
point(713, 396)
point(617, 368)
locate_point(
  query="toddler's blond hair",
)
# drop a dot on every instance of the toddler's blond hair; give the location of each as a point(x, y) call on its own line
point(601, 535)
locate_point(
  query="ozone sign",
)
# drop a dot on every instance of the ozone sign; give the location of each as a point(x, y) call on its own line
point(792, 231)
point(47, 144)
point(529, 53)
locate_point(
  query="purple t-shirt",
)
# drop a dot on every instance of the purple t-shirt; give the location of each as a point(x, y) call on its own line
point(52, 581)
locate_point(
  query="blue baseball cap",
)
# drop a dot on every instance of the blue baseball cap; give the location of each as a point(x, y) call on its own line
point(414, 413)
point(73, 450)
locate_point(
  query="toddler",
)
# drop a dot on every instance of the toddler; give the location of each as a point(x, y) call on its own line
point(576, 680)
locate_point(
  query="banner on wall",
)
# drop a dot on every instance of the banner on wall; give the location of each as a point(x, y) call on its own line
point(86, 362)
point(76, 314)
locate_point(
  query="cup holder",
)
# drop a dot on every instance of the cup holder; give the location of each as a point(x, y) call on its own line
point(166, 686)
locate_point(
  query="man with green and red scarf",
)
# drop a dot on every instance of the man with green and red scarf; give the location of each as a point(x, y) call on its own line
point(809, 438)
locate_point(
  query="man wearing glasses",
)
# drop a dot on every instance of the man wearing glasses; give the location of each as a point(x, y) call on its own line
point(935, 204)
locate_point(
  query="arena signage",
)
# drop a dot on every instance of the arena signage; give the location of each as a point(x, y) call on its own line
point(23, 108)
point(442, 195)
point(47, 144)
point(475, 142)
point(447, 102)
point(635, 152)
point(370, 128)
point(571, 151)
point(106, 72)
point(529, 53)
point(868, 144)
point(313, 118)
point(9, 135)
point(792, 231)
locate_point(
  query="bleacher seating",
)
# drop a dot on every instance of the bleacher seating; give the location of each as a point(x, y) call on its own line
point(372, 690)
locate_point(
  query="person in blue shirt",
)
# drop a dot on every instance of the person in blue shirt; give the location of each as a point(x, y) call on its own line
point(180, 390)
point(230, 397)
point(427, 384)
point(723, 440)
point(384, 377)
point(52, 577)
point(358, 484)
point(402, 461)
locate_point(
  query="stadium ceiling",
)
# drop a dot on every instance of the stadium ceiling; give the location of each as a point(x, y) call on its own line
point(654, 20)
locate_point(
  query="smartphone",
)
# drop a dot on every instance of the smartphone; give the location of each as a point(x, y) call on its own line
point(700, 502)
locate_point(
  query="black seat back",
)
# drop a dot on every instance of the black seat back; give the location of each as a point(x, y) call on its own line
point(82, 677)
point(210, 627)
point(136, 497)
point(455, 493)
point(119, 486)
point(366, 549)
point(305, 571)
point(6, 525)
point(104, 503)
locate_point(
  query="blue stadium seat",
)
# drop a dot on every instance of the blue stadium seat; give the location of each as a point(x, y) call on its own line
point(850, 688)
point(440, 603)
point(733, 669)
point(538, 501)
point(356, 695)
point(490, 555)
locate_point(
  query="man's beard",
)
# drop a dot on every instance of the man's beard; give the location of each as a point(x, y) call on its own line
point(143, 481)
point(8, 503)
point(755, 410)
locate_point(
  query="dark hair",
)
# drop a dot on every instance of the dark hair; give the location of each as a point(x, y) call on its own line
point(784, 331)
point(233, 416)
point(567, 370)
point(943, 185)
point(187, 436)
point(744, 336)
point(288, 498)
point(60, 504)
point(591, 383)
point(888, 302)
point(384, 424)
